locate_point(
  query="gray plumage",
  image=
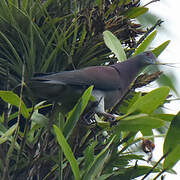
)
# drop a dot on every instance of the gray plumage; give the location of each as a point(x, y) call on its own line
point(110, 82)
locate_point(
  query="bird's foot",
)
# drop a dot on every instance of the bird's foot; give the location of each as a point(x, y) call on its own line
point(111, 119)
point(89, 118)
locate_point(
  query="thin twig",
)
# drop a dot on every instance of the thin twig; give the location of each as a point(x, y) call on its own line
point(158, 23)
point(24, 138)
point(51, 172)
point(4, 146)
point(5, 173)
point(164, 170)
point(50, 123)
point(6, 115)
point(153, 1)
point(147, 174)
point(42, 149)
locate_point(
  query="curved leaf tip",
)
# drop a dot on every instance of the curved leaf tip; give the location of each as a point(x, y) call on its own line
point(113, 43)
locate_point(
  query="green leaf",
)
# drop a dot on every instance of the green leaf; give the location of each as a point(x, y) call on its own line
point(74, 115)
point(172, 158)
point(168, 80)
point(99, 3)
point(135, 12)
point(12, 98)
point(39, 119)
point(151, 101)
point(129, 100)
point(139, 122)
point(104, 176)
point(89, 154)
point(158, 50)
point(98, 164)
point(164, 117)
point(5, 136)
point(145, 44)
point(172, 143)
point(133, 172)
point(113, 43)
point(67, 152)
point(148, 132)
point(14, 50)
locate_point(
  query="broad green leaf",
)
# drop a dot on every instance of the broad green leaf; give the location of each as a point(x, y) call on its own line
point(135, 12)
point(113, 43)
point(158, 50)
point(139, 122)
point(67, 152)
point(133, 172)
point(151, 101)
point(147, 132)
point(145, 44)
point(168, 80)
point(5, 136)
point(172, 143)
point(172, 158)
point(39, 119)
point(98, 164)
point(129, 100)
point(74, 115)
point(12, 98)
point(164, 117)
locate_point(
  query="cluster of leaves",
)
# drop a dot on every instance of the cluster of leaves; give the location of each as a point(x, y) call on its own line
point(53, 35)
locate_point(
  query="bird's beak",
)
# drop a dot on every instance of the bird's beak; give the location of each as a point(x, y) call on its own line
point(158, 63)
point(166, 64)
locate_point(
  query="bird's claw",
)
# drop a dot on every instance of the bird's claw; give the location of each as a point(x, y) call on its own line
point(89, 118)
point(111, 119)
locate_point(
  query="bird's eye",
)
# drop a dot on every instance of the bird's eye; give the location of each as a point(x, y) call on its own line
point(148, 54)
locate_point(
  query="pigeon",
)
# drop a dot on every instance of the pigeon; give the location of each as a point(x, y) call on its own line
point(110, 83)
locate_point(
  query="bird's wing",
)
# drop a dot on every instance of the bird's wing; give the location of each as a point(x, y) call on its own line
point(102, 77)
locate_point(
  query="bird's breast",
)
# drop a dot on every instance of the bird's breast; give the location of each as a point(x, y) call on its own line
point(111, 98)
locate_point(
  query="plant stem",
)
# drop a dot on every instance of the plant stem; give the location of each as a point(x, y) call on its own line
point(11, 148)
point(147, 174)
point(159, 174)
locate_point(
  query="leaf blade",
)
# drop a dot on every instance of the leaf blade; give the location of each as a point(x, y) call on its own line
point(172, 143)
point(145, 44)
point(135, 12)
point(74, 115)
point(98, 162)
point(138, 122)
point(12, 98)
point(149, 103)
point(67, 152)
point(158, 50)
point(113, 43)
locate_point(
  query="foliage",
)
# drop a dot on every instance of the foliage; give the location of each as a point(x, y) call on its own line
point(39, 141)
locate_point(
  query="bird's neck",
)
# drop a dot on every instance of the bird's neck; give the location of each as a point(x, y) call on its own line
point(128, 70)
point(133, 65)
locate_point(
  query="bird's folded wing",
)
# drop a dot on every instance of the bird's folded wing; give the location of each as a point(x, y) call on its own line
point(102, 77)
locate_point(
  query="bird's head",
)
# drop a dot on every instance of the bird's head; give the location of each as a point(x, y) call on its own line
point(148, 58)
